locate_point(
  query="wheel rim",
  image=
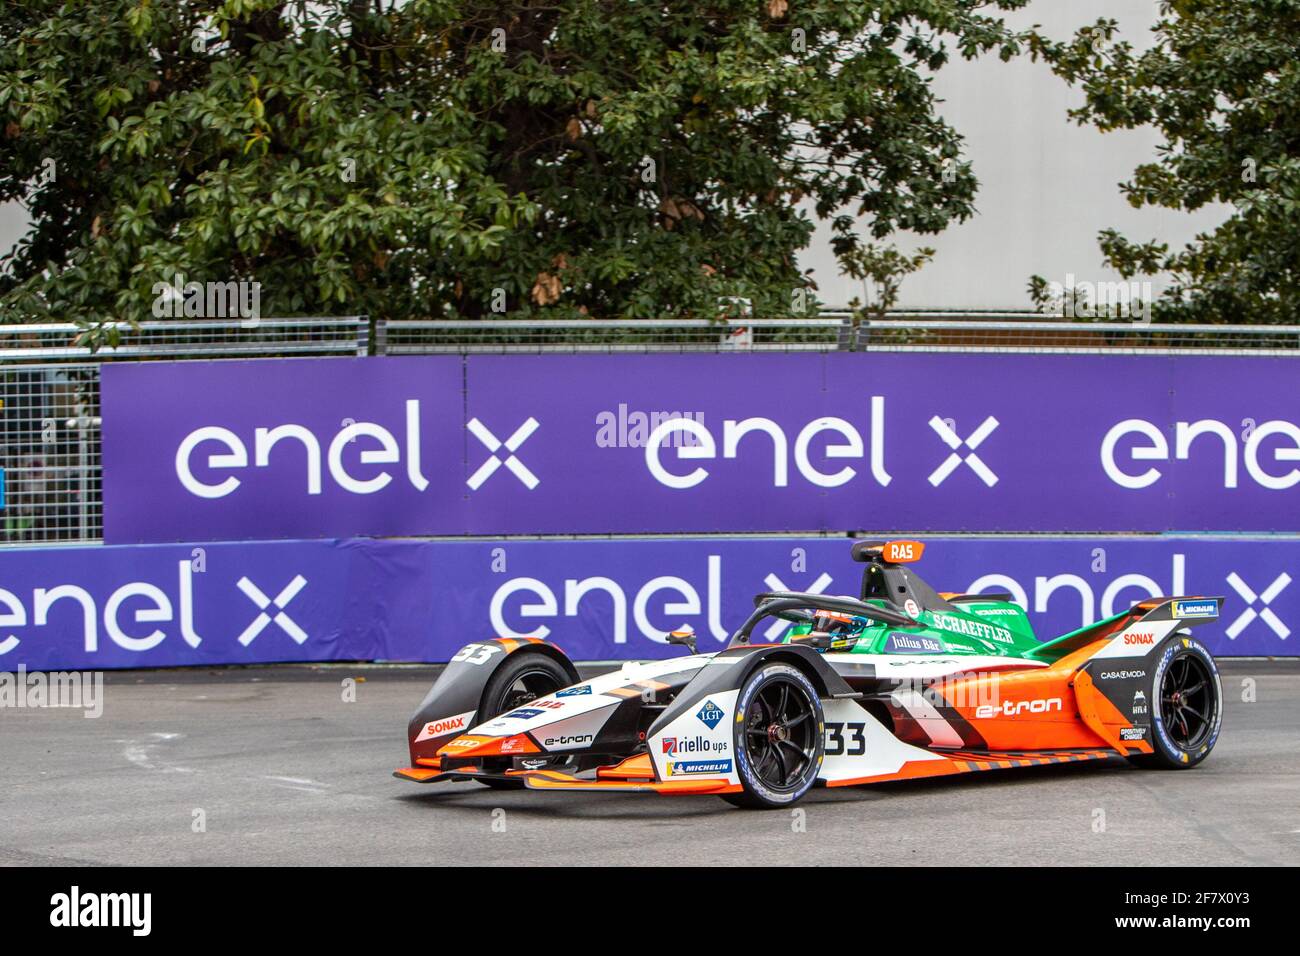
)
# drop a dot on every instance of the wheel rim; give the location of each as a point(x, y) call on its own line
point(1187, 701)
point(781, 734)
point(527, 687)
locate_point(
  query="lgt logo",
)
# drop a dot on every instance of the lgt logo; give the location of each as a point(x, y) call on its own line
point(710, 714)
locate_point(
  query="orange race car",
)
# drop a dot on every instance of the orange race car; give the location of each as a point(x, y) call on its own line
point(898, 682)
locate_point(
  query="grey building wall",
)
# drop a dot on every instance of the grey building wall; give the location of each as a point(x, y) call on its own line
point(1047, 186)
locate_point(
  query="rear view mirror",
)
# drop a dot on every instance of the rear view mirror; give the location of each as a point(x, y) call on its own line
point(818, 640)
point(685, 637)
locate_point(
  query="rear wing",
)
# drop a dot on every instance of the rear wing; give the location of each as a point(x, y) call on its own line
point(1190, 611)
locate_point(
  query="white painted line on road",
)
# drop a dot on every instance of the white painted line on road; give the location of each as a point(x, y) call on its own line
point(305, 785)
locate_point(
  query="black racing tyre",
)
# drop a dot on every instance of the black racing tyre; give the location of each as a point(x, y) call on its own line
point(777, 737)
point(525, 676)
point(1186, 699)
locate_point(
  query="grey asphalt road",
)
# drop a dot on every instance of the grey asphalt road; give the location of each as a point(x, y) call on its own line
point(272, 766)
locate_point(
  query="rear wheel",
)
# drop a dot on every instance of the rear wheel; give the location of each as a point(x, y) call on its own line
point(525, 676)
point(1187, 705)
point(777, 737)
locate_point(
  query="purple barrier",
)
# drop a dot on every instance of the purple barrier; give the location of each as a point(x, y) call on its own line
point(171, 605)
point(344, 448)
point(699, 443)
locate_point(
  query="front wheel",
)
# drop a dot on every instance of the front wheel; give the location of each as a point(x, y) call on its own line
point(1186, 705)
point(777, 737)
point(525, 676)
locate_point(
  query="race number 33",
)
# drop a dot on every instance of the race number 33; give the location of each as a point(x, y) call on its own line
point(837, 735)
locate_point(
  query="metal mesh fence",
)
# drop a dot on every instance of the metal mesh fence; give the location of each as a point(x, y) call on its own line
point(190, 338)
point(415, 337)
point(49, 376)
point(49, 450)
point(835, 331)
point(49, 405)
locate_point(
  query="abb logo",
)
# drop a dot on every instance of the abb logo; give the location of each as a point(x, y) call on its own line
point(1141, 637)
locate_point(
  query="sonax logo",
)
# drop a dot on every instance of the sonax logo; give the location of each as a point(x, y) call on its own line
point(1140, 638)
point(445, 725)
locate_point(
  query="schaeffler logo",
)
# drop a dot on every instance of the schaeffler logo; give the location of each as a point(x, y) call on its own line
point(1265, 613)
point(77, 909)
point(1014, 708)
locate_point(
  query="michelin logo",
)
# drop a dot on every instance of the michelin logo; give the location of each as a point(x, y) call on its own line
point(1196, 609)
point(699, 766)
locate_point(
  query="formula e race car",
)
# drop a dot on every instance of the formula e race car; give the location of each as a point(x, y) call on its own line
point(898, 683)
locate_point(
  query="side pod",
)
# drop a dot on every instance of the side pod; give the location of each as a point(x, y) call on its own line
point(729, 668)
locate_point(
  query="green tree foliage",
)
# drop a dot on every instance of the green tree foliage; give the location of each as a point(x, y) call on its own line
point(1221, 83)
point(435, 158)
